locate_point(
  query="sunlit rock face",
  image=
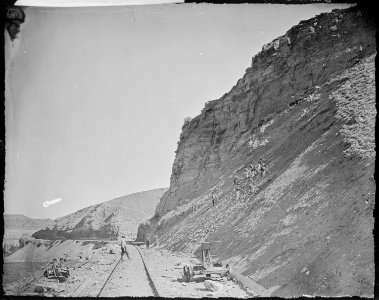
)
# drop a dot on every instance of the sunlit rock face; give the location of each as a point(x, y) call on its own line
point(306, 105)
point(286, 71)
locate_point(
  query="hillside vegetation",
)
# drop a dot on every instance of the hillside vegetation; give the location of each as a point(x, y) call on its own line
point(105, 220)
point(306, 106)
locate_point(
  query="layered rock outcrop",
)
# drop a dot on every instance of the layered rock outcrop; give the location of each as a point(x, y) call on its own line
point(306, 106)
point(281, 75)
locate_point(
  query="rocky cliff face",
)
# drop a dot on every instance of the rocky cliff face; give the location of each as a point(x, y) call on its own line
point(106, 220)
point(306, 106)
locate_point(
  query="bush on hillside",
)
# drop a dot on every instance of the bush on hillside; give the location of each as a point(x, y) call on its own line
point(25, 239)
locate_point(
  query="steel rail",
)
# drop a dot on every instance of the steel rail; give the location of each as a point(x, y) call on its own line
point(151, 282)
point(107, 280)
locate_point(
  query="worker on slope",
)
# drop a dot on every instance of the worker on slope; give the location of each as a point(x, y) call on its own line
point(123, 248)
point(237, 186)
point(248, 173)
point(214, 197)
point(262, 167)
point(254, 170)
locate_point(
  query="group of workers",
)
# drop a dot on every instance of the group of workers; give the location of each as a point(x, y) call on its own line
point(194, 207)
point(57, 270)
point(260, 168)
point(250, 172)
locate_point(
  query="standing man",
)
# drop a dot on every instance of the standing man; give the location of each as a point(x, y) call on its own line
point(214, 197)
point(237, 183)
point(147, 244)
point(123, 248)
point(262, 167)
point(156, 240)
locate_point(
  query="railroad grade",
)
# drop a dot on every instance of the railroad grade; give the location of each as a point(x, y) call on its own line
point(113, 286)
point(118, 281)
point(109, 277)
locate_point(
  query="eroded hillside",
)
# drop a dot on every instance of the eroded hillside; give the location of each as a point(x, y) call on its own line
point(307, 107)
point(105, 220)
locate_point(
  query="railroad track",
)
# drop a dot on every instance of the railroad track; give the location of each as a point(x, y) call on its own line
point(81, 289)
point(109, 278)
point(151, 282)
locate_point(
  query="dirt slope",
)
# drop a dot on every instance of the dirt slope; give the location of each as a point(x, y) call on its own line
point(307, 106)
point(106, 220)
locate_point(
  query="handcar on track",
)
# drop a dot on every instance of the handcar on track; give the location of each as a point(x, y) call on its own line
point(206, 266)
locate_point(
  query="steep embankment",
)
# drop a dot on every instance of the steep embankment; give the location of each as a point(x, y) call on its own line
point(307, 107)
point(106, 220)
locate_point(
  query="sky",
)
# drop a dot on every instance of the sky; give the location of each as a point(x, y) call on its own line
point(96, 97)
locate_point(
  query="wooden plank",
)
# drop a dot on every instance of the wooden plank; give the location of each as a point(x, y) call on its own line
point(256, 288)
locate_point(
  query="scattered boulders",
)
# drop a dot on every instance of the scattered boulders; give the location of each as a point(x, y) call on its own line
point(111, 249)
point(39, 289)
point(42, 289)
point(213, 286)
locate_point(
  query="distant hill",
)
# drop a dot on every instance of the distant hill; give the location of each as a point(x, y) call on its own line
point(16, 225)
point(106, 220)
point(16, 221)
